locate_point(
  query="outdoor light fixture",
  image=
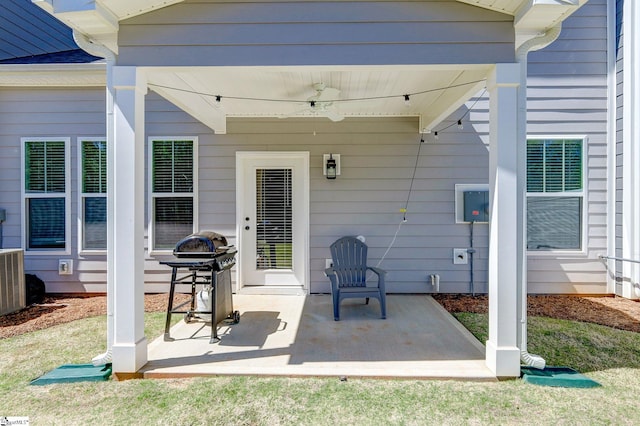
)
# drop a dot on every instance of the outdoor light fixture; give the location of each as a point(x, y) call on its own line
point(331, 165)
point(460, 126)
point(407, 101)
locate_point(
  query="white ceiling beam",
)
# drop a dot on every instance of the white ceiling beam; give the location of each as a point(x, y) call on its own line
point(432, 117)
point(197, 106)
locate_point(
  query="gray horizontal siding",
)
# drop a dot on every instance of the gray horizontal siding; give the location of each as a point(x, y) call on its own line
point(63, 112)
point(567, 95)
point(366, 199)
point(322, 32)
point(378, 156)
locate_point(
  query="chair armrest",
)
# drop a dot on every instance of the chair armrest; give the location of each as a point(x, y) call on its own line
point(379, 271)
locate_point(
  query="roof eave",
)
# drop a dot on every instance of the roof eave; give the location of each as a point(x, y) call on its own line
point(534, 17)
point(53, 75)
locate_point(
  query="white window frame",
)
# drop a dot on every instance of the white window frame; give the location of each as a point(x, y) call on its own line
point(82, 195)
point(151, 195)
point(582, 194)
point(25, 196)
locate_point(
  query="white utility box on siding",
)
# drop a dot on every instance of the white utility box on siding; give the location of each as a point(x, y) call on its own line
point(13, 291)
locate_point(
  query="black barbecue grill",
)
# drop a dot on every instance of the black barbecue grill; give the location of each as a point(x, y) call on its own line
point(203, 258)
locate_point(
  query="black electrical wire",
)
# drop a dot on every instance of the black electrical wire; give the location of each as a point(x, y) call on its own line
point(413, 178)
point(220, 97)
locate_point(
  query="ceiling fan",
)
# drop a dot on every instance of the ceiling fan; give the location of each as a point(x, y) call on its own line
point(322, 103)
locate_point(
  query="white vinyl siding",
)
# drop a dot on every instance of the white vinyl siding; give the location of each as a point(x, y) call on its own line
point(173, 180)
point(555, 192)
point(92, 212)
point(45, 188)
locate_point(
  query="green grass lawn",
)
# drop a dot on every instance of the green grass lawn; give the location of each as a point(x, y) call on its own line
point(612, 357)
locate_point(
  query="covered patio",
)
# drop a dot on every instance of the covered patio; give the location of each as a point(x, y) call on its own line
point(420, 59)
point(297, 336)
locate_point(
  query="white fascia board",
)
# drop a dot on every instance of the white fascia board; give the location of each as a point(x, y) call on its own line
point(504, 6)
point(53, 75)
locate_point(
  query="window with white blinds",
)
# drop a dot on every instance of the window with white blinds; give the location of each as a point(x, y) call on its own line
point(555, 194)
point(172, 177)
point(274, 219)
point(93, 194)
point(45, 189)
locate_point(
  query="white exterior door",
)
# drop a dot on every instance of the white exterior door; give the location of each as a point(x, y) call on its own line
point(273, 221)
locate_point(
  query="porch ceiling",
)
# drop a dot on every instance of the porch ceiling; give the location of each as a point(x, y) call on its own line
point(434, 91)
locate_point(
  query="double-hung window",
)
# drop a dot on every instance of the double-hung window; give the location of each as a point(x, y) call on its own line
point(93, 194)
point(45, 190)
point(173, 181)
point(555, 194)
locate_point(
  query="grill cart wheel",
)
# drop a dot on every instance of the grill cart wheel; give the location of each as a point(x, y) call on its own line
point(236, 317)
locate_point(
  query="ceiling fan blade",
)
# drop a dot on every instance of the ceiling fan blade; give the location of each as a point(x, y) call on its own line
point(333, 115)
point(328, 94)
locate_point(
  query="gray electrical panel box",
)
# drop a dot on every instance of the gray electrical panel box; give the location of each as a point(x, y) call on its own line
point(476, 206)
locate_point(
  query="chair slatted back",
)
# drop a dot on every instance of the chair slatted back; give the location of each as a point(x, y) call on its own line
point(349, 257)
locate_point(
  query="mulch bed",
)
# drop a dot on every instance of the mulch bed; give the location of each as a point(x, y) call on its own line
point(615, 312)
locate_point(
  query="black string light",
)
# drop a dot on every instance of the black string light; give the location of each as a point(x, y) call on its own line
point(406, 97)
point(459, 121)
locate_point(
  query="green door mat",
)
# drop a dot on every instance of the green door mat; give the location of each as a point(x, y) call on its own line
point(71, 373)
point(564, 377)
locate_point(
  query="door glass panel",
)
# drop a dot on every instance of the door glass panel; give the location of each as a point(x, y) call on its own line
point(273, 219)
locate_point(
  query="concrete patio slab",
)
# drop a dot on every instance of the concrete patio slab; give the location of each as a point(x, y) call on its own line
point(297, 336)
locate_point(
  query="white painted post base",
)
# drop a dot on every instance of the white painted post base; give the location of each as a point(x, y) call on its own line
point(129, 358)
point(504, 361)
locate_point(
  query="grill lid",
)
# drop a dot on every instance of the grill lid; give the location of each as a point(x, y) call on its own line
point(201, 244)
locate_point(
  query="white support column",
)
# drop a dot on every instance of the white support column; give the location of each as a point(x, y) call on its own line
point(631, 152)
point(126, 193)
point(505, 250)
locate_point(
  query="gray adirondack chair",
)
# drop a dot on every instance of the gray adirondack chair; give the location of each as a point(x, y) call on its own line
point(348, 275)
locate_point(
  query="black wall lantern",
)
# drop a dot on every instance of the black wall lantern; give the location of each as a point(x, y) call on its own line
point(331, 165)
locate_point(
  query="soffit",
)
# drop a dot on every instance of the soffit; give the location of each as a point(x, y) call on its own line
point(435, 91)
